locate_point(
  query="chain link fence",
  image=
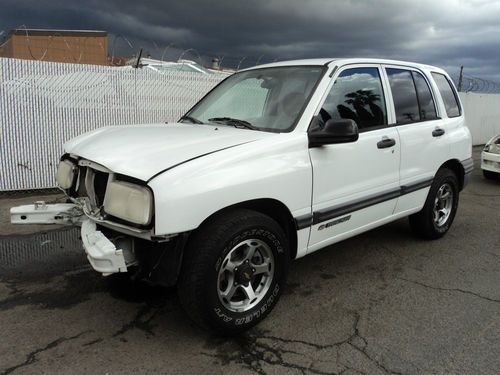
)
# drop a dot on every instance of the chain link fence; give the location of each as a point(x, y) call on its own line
point(44, 104)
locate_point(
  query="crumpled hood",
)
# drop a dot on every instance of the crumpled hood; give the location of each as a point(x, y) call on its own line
point(142, 151)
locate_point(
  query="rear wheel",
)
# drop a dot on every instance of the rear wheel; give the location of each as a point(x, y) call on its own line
point(490, 175)
point(234, 271)
point(440, 207)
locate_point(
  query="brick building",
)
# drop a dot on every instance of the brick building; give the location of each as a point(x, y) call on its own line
point(69, 46)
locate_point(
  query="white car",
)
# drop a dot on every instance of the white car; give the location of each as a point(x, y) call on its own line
point(490, 158)
point(274, 163)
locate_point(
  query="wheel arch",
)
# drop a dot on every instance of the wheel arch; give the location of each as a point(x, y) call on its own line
point(456, 167)
point(273, 208)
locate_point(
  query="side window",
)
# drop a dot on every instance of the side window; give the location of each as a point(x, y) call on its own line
point(425, 100)
point(404, 95)
point(448, 94)
point(357, 95)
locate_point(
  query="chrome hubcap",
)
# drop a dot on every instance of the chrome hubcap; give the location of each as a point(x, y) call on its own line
point(443, 204)
point(245, 275)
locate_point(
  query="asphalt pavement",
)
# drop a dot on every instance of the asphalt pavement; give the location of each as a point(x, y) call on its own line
point(382, 302)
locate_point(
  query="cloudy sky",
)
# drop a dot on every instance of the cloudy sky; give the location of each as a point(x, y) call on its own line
point(447, 33)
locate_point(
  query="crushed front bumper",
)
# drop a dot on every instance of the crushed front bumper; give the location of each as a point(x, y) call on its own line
point(102, 254)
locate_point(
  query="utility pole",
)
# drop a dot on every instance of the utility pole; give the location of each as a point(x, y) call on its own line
point(461, 78)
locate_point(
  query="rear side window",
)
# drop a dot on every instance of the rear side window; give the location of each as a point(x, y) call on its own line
point(425, 100)
point(404, 95)
point(448, 94)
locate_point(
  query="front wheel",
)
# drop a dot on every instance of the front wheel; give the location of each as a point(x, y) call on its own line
point(440, 207)
point(234, 271)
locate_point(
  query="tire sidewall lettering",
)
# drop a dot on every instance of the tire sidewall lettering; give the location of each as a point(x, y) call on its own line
point(259, 311)
point(262, 234)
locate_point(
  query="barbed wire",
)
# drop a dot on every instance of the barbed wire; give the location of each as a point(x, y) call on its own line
point(121, 45)
point(118, 37)
point(50, 47)
point(171, 52)
point(175, 52)
point(475, 84)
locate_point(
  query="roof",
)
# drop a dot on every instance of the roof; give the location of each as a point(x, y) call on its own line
point(57, 32)
point(345, 61)
point(323, 61)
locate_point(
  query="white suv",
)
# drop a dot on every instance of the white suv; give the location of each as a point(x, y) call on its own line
point(274, 163)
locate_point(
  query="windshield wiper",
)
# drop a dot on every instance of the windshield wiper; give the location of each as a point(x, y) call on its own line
point(237, 123)
point(192, 119)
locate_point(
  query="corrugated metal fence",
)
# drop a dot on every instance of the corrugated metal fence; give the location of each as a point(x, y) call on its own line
point(44, 104)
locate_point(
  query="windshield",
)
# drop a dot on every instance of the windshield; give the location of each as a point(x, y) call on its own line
point(269, 99)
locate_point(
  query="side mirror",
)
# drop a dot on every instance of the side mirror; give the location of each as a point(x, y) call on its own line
point(334, 131)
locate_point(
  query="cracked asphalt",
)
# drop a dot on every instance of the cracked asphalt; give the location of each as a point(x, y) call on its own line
point(383, 302)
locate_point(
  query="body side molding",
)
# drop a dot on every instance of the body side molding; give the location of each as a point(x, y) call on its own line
point(325, 214)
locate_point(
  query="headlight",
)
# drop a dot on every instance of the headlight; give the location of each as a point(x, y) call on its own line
point(66, 172)
point(130, 202)
point(493, 146)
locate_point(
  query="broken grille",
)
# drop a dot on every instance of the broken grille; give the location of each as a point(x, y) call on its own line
point(91, 184)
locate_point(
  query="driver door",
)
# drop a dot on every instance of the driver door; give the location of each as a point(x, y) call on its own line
point(355, 185)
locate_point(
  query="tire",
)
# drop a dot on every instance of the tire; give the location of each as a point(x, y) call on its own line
point(437, 215)
point(217, 258)
point(490, 175)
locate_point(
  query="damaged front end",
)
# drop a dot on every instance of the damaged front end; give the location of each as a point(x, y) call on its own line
point(112, 244)
point(102, 253)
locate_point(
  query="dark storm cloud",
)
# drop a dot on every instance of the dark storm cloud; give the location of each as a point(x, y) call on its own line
point(448, 33)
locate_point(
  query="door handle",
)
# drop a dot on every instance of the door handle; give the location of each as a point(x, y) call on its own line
point(438, 132)
point(386, 143)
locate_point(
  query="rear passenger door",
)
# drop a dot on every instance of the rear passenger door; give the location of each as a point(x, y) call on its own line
point(422, 133)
